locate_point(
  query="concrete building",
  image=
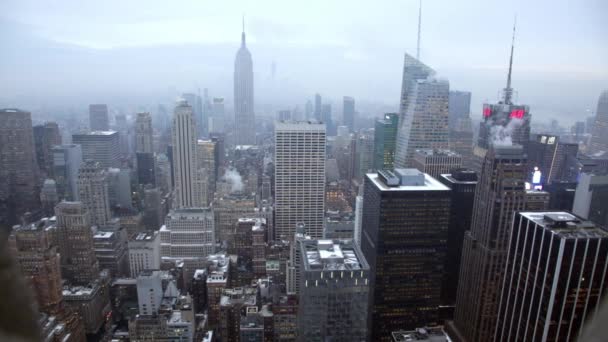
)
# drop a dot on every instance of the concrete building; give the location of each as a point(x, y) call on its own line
point(184, 157)
point(299, 178)
point(554, 277)
point(92, 302)
point(436, 162)
point(111, 251)
point(188, 236)
point(38, 259)
point(334, 291)
point(19, 171)
point(461, 140)
point(423, 112)
point(93, 192)
point(459, 104)
point(66, 164)
point(48, 197)
point(119, 188)
point(244, 116)
point(144, 141)
point(75, 240)
point(499, 194)
point(144, 252)
point(99, 119)
point(392, 201)
point(591, 197)
point(217, 122)
point(45, 137)
point(99, 146)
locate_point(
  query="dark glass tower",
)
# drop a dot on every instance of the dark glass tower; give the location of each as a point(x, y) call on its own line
point(405, 229)
point(385, 141)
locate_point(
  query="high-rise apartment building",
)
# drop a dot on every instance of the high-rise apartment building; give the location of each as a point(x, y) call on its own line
point(334, 291)
point(184, 157)
point(244, 117)
point(93, 192)
point(436, 162)
point(599, 134)
point(462, 182)
point(98, 117)
point(144, 141)
point(554, 279)
point(499, 194)
point(67, 160)
point(75, 240)
point(405, 227)
point(547, 154)
point(423, 112)
point(348, 113)
point(299, 178)
point(459, 106)
point(100, 146)
point(385, 141)
point(18, 168)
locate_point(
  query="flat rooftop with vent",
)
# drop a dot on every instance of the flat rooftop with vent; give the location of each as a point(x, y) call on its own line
point(405, 180)
point(566, 225)
point(332, 255)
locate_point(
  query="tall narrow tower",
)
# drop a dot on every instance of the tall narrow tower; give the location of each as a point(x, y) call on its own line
point(184, 156)
point(599, 136)
point(243, 95)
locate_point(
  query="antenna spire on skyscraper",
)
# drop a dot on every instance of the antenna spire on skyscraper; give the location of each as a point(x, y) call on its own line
point(243, 32)
point(419, 21)
point(508, 89)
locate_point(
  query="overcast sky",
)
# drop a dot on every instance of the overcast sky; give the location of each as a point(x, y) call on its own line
point(96, 50)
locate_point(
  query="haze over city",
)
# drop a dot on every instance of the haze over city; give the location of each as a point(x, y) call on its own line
point(71, 53)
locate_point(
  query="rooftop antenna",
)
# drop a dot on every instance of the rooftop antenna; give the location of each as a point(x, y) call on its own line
point(243, 32)
point(419, 21)
point(508, 89)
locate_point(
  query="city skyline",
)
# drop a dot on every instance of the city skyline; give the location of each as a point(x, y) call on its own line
point(204, 60)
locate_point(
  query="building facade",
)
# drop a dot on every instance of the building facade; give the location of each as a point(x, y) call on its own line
point(405, 227)
point(93, 192)
point(244, 117)
point(599, 134)
point(436, 162)
point(184, 157)
point(67, 160)
point(144, 252)
point(385, 141)
point(99, 120)
point(299, 178)
point(100, 146)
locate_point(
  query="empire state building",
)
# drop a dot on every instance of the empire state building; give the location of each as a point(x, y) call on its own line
point(243, 95)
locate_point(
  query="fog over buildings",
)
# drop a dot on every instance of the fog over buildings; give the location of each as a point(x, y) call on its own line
point(70, 54)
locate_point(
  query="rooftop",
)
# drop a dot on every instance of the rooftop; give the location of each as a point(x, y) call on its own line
point(332, 255)
point(566, 225)
point(299, 126)
point(430, 183)
point(435, 334)
point(437, 152)
point(105, 133)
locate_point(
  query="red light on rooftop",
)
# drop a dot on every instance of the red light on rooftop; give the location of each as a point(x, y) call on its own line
point(487, 111)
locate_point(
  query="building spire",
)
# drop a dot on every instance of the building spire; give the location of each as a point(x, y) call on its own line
point(508, 89)
point(243, 34)
point(419, 21)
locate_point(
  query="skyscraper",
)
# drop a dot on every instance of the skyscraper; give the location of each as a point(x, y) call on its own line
point(423, 113)
point(348, 113)
point(100, 146)
point(93, 192)
point(66, 163)
point(599, 135)
point(244, 118)
point(218, 119)
point(499, 194)
point(385, 141)
point(436, 162)
point(98, 117)
point(75, 239)
point(554, 277)
point(463, 183)
point(334, 291)
point(405, 228)
point(461, 140)
point(299, 178)
point(318, 111)
point(591, 197)
point(548, 154)
point(143, 133)
point(18, 168)
point(184, 156)
point(459, 106)
point(505, 123)
point(45, 137)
